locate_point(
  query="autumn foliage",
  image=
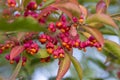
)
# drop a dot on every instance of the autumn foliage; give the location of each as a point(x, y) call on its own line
point(51, 29)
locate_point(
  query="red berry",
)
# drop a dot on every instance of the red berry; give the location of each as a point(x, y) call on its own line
point(11, 3)
point(43, 38)
point(51, 27)
point(32, 5)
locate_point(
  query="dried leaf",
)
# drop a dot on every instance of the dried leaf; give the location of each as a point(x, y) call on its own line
point(63, 67)
point(101, 18)
point(16, 51)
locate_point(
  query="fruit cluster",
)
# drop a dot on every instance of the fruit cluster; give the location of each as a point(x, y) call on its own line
point(62, 35)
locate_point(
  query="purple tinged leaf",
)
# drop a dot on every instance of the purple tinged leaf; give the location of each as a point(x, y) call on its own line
point(63, 67)
point(101, 7)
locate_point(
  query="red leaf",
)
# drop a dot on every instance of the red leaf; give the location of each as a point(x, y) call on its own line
point(68, 7)
point(63, 67)
point(47, 10)
point(16, 51)
point(96, 33)
point(101, 7)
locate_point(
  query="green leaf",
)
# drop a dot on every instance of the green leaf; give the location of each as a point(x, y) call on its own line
point(101, 18)
point(38, 1)
point(77, 66)
point(112, 47)
point(106, 53)
point(35, 62)
point(96, 25)
point(63, 67)
point(42, 53)
point(16, 71)
point(96, 33)
point(107, 31)
point(25, 2)
point(22, 24)
point(48, 2)
point(98, 62)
